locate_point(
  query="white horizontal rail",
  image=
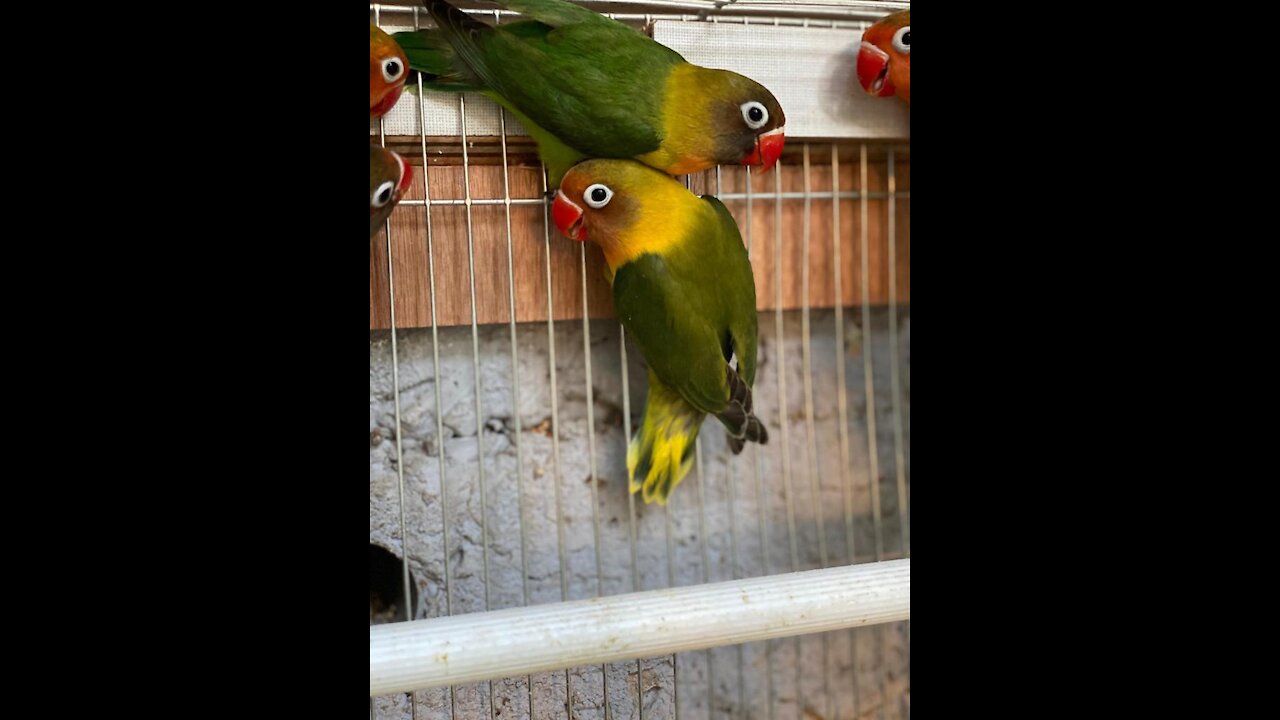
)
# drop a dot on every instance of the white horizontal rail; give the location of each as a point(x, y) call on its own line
point(861, 9)
point(811, 70)
point(519, 641)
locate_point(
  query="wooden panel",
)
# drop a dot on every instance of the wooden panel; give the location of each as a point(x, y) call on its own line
point(529, 247)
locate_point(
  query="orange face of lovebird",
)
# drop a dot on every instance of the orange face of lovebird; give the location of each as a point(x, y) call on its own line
point(626, 208)
point(884, 60)
point(388, 68)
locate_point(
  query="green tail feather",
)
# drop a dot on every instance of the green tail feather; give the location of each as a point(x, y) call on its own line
point(661, 453)
point(431, 56)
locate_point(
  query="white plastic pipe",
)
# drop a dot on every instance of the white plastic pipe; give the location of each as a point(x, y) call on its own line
point(518, 641)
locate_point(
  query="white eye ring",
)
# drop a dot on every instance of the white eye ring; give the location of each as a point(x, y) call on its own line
point(383, 194)
point(589, 193)
point(747, 107)
point(395, 73)
point(902, 40)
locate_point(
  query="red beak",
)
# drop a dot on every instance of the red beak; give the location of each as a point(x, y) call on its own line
point(406, 176)
point(568, 217)
point(384, 105)
point(873, 70)
point(768, 149)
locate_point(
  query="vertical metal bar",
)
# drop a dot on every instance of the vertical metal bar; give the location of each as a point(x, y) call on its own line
point(842, 394)
point(591, 450)
point(706, 557)
point(671, 568)
point(631, 500)
point(395, 387)
point(631, 503)
point(903, 517)
point(395, 382)
point(782, 376)
point(555, 423)
point(697, 466)
point(515, 382)
point(782, 400)
point(475, 358)
point(811, 456)
point(869, 377)
point(806, 350)
point(702, 531)
point(435, 355)
point(760, 496)
point(868, 373)
point(671, 582)
point(730, 486)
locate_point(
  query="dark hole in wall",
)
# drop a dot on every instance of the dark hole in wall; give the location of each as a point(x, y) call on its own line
point(386, 587)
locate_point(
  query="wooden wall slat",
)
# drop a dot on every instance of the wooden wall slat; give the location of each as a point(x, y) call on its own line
point(449, 244)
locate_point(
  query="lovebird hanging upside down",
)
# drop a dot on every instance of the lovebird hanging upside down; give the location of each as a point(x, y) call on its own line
point(389, 177)
point(587, 86)
point(683, 289)
point(884, 61)
point(388, 69)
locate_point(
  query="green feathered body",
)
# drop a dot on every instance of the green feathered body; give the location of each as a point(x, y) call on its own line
point(684, 290)
point(587, 86)
point(536, 70)
point(692, 305)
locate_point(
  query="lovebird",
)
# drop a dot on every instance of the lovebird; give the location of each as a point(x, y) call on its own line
point(388, 68)
point(389, 177)
point(684, 291)
point(884, 60)
point(587, 86)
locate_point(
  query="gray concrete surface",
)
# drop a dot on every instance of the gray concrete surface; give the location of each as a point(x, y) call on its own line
point(715, 516)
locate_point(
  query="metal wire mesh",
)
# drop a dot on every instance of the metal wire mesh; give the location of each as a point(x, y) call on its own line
point(706, 533)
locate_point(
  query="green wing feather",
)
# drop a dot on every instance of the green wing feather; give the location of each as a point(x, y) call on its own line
point(740, 286)
point(595, 84)
point(693, 308)
point(680, 344)
point(553, 12)
point(434, 58)
point(689, 310)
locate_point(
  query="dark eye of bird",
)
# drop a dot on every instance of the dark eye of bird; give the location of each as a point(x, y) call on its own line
point(393, 68)
point(598, 194)
point(756, 114)
point(384, 196)
point(906, 38)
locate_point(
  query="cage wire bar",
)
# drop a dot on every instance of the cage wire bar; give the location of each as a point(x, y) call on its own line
point(395, 380)
point(815, 13)
point(743, 12)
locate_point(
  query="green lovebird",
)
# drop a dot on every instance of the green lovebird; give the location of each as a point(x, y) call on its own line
point(587, 86)
point(683, 289)
point(389, 177)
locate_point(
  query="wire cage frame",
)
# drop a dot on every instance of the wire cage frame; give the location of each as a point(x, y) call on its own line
point(832, 489)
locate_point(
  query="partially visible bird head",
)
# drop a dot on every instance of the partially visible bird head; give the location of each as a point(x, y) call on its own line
point(388, 68)
point(605, 200)
point(884, 59)
point(596, 195)
point(718, 117)
point(756, 121)
point(389, 178)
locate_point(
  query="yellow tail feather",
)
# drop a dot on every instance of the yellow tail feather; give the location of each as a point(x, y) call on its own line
point(662, 449)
